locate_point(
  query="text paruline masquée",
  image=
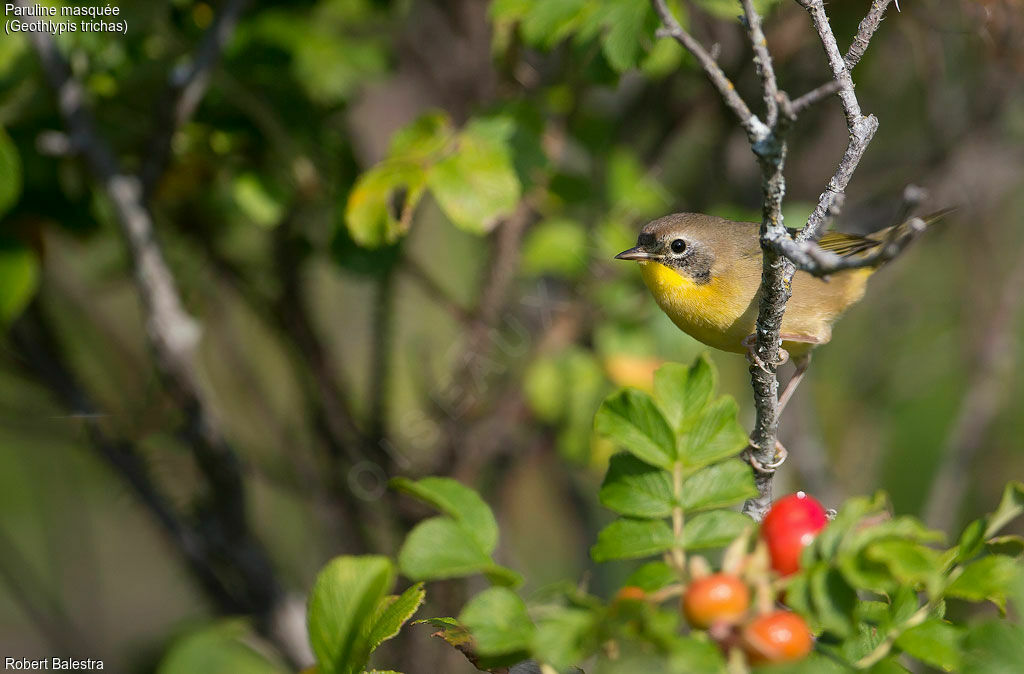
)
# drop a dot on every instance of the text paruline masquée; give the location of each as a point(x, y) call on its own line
point(83, 19)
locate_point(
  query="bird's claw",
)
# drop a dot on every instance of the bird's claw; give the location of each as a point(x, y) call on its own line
point(769, 468)
point(750, 343)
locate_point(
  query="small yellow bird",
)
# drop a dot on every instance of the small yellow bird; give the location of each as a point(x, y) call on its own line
point(705, 272)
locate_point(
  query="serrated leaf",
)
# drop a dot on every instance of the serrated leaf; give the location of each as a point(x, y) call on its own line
point(632, 420)
point(715, 435)
point(392, 613)
point(637, 489)
point(718, 486)
point(476, 185)
point(218, 649)
point(498, 621)
point(909, 562)
point(10, 173)
point(630, 539)
point(441, 548)
point(713, 529)
point(345, 595)
point(986, 579)
point(19, 279)
point(933, 642)
point(683, 392)
point(457, 636)
point(457, 501)
point(630, 24)
point(1010, 506)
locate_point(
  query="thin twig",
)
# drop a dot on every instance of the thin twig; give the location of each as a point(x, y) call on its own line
point(762, 61)
point(812, 258)
point(781, 253)
point(755, 128)
point(187, 86)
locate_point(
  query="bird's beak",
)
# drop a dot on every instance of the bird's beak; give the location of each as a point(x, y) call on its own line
point(636, 253)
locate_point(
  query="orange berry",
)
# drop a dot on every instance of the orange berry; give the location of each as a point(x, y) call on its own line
point(631, 593)
point(718, 598)
point(781, 636)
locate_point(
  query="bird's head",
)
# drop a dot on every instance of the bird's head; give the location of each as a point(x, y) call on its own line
point(683, 242)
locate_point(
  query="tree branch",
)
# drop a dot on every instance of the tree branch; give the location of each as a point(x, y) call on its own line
point(172, 333)
point(187, 86)
point(781, 253)
point(755, 128)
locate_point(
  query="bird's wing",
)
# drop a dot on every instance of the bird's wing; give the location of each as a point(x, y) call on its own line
point(845, 244)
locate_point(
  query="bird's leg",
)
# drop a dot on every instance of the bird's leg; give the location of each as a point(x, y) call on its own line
point(750, 344)
point(802, 363)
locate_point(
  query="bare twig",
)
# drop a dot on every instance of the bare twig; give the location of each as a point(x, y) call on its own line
point(781, 253)
point(981, 403)
point(755, 128)
point(762, 61)
point(187, 86)
point(812, 258)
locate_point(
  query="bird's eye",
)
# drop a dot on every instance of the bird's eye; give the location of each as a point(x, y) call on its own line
point(678, 246)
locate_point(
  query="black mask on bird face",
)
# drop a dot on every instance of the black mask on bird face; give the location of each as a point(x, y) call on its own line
point(673, 249)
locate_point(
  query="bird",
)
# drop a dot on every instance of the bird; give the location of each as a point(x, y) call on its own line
point(705, 274)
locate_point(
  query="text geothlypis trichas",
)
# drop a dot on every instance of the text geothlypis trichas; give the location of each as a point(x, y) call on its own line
point(705, 273)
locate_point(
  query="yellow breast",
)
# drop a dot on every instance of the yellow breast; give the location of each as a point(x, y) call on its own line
point(719, 313)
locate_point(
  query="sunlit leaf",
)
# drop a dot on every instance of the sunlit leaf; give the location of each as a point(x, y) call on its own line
point(633, 421)
point(632, 487)
point(630, 539)
point(498, 621)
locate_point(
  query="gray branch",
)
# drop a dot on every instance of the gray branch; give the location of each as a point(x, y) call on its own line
point(782, 254)
point(187, 86)
point(755, 128)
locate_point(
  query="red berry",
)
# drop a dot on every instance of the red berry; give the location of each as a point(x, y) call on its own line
point(781, 636)
point(719, 598)
point(790, 525)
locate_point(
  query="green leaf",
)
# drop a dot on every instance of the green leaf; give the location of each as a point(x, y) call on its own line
point(909, 562)
point(218, 649)
point(255, 200)
point(971, 541)
point(632, 487)
point(629, 539)
point(718, 486)
point(558, 247)
point(392, 613)
point(382, 201)
point(441, 548)
point(630, 24)
point(714, 529)
point(456, 635)
point(632, 420)
point(652, 576)
point(565, 636)
point(714, 436)
point(498, 621)
point(988, 578)
point(1010, 545)
point(683, 392)
point(476, 185)
point(10, 173)
point(833, 599)
point(425, 137)
point(1010, 507)
point(993, 647)
point(19, 279)
point(346, 594)
point(725, 9)
point(933, 642)
point(457, 501)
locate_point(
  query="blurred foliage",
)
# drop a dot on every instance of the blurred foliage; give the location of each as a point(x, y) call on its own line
point(418, 127)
